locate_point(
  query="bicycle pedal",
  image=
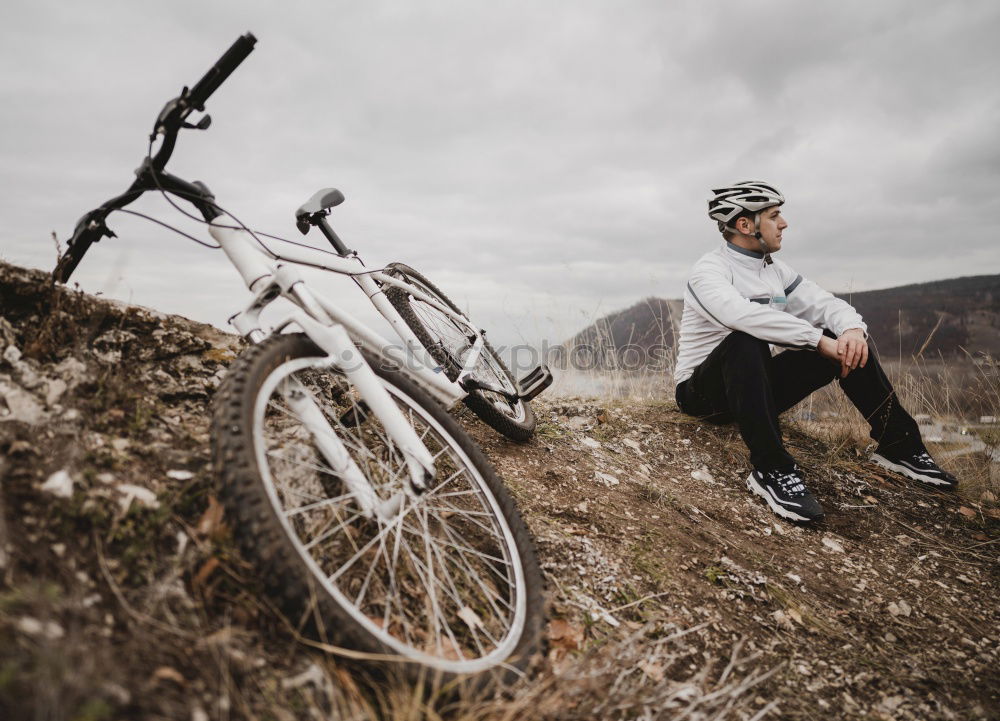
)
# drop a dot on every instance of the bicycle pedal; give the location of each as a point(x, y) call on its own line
point(535, 382)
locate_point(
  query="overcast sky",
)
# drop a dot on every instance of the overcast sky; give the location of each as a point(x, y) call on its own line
point(543, 162)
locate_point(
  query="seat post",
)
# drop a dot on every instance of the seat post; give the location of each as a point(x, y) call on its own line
point(331, 235)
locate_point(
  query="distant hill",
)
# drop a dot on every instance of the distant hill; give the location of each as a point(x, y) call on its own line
point(649, 324)
point(938, 318)
point(946, 315)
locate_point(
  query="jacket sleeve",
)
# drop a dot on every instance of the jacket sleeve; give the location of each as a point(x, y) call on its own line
point(711, 294)
point(819, 307)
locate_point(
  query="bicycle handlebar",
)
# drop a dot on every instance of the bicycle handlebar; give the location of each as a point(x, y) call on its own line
point(229, 61)
point(91, 228)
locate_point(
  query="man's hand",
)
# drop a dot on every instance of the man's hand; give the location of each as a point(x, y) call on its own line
point(849, 350)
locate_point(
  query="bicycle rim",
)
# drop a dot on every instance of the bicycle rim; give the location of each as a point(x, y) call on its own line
point(441, 582)
point(455, 344)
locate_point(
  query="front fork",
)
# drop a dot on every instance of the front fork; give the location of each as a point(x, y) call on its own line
point(342, 354)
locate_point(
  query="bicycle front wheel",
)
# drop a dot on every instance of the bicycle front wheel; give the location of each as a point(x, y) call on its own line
point(447, 579)
point(448, 342)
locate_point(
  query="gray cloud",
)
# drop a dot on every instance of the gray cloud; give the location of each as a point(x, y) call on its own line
point(543, 162)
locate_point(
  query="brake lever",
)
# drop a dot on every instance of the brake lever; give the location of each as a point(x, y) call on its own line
point(203, 124)
point(89, 229)
point(95, 226)
point(173, 114)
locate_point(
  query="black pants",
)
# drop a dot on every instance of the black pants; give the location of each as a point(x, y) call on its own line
point(741, 381)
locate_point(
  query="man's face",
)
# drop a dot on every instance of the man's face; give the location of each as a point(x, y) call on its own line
point(772, 223)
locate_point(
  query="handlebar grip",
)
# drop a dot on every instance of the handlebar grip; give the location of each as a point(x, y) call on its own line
point(89, 229)
point(229, 61)
point(72, 257)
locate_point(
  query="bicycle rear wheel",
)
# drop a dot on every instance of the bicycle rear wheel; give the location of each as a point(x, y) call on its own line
point(450, 581)
point(448, 343)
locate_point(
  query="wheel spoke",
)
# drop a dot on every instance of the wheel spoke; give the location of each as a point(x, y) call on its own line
point(456, 596)
point(317, 505)
point(329, 533)
point(469, 572)
point(485, 590)
point(306, 464)
point(431, 576)
point(435, 610)
point(452, 509)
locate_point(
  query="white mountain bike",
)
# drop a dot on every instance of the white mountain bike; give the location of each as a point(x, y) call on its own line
point(365, 504)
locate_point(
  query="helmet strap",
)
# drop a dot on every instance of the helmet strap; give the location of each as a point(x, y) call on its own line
point(763, 245)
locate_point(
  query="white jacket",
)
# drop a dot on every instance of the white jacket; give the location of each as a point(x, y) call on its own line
point(731, 289)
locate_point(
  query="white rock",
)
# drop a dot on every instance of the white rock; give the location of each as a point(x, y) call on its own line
point(606, 478)
point(590, 442)
point(12, 354)
point(72, 371)
point(891, 703)
point(634, 445)
point(21, 405)
point(783, 620)
point(33, 627)
point(703, 475)
point(30, 626)
point(136, 493)
point(54, 389)
point(794, 577)
point(59, 484)
point(180, 475)
point(833, 545)
point(182, 542)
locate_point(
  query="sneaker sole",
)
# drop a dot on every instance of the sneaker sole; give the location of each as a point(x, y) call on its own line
point(910, 473)
point(758, 489)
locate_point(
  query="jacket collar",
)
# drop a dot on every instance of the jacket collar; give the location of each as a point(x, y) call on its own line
point(741, 255)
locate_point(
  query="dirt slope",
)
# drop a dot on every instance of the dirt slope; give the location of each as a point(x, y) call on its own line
point(673, 593)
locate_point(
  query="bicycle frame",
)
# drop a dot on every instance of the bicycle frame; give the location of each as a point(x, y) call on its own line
point(254, 264)
point(335, 332)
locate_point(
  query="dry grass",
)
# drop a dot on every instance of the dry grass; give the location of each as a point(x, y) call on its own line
point(953, 393)
point(639, 370)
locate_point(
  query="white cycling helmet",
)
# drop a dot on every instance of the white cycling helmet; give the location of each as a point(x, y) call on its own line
point(749, 196)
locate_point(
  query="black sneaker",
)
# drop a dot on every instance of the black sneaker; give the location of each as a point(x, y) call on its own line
point(918, 465)
point(786, 494)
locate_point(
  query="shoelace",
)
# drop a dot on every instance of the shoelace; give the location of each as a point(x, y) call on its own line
point(791, 484)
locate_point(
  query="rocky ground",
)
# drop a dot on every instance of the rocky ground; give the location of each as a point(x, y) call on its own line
point(673, 593)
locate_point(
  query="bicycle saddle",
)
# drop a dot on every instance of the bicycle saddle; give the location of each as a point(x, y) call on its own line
point(320, 201)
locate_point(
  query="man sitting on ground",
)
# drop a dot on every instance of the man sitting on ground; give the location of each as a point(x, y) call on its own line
point(742, 310)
